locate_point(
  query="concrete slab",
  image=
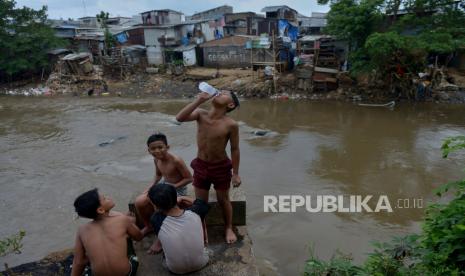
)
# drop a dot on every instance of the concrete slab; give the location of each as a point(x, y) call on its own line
point(236, 259)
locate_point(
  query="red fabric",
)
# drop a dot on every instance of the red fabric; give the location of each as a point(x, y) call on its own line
point(207, 173)
point(400, 71)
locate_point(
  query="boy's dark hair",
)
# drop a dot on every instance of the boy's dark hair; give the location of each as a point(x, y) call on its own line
point(163, 196)
point(157, 137)
point(86, 205)
point(235, 100)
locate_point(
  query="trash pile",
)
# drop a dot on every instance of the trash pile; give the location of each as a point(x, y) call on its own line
point(36, 91)
point(76, 73)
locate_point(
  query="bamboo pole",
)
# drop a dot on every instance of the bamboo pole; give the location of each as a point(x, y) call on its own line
point(275, 83)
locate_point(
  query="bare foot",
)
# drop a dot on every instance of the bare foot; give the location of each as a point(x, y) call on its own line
point(146, 230)
point(155, 248)
point(230, 236)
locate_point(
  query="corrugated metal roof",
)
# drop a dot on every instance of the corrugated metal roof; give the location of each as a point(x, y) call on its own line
point(313, 37)
point(76, 56)
point(184, 48)
point(163, 10)
point(276, 8)
point(227, 41)
point(59, 51)
point(313, 22)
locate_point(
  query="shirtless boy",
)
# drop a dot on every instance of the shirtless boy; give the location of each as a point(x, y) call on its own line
point(102, 243)
point(168, 166)
point(212, 165)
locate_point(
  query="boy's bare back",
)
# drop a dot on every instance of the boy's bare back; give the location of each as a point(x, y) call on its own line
point(104, 243)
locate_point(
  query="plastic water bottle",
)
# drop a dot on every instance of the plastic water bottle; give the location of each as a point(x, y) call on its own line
point(205, 87)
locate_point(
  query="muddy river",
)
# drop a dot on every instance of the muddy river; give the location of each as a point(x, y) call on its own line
point(51, 150)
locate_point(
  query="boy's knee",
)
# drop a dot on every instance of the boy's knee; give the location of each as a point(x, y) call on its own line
point(222, 198)
point(140, 200)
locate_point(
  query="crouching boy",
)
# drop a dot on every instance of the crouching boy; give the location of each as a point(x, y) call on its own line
point(102, 243)
point(179, 231)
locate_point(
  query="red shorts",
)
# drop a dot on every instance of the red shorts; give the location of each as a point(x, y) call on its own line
point(206, 173)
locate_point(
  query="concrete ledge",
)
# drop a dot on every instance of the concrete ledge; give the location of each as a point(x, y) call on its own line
point(235, 259)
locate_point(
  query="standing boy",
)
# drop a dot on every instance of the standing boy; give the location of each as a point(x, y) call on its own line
point(103, 241)
point(167, 165)
point(212, 165)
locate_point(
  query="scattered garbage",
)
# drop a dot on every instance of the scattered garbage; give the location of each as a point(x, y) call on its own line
point(175, 122)
point(152, 70)
point(390, 104)
point(268, 71)
point(111, 141)
point(37, 91)
point(260, 132)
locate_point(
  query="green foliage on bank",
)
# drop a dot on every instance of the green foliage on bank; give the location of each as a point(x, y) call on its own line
point(12, 244)
point(386, 33)
point(438, 250)
point(25, 38)
point(110, 40)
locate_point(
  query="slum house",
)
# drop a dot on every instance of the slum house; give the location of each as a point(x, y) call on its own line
point(82, 39)
point(252, 24)
point(161, 17)
point(211, 13)
point(312, 25)
point(186, 53)
point(161, 40)
point(228, 52)
point(89, 40)
point(274, 14)
point(89, 22)
point(237, 23)
point(157, 32)
point(121, 21)
point(319, 62)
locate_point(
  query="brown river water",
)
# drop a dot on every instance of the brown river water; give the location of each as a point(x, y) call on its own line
point(51, 151)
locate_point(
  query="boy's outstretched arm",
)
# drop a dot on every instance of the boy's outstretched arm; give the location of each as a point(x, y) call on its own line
point(185, 201)
point(134, 231)
point(184, 171)
point(80, 259)
point(190, 112)
point(235, 155)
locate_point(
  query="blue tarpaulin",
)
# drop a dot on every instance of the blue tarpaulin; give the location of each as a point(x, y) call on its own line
point(287, 29)
point(293, 32)
point(122, 38)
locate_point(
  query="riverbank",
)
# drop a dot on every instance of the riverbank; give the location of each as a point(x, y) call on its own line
point(245, 82)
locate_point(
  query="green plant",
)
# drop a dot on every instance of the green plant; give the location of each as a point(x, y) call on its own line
point(178, 62)
point(443, 237)
point(110, 40)
point(380, 39)
point(12, 244)
point(25, 38)
point(339, 264)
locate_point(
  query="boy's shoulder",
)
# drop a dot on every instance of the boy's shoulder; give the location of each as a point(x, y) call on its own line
point(231, 122)
point(175, 159)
